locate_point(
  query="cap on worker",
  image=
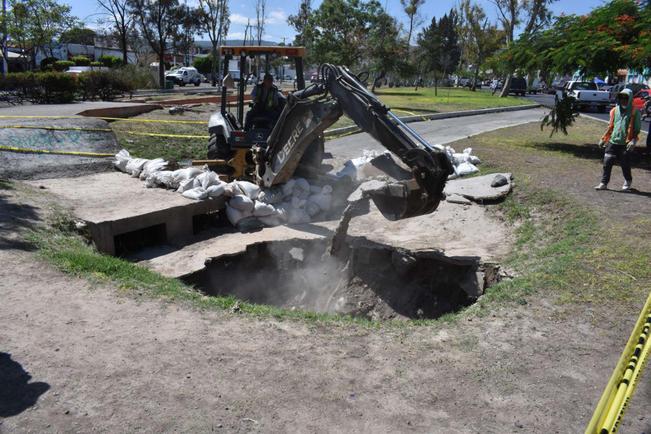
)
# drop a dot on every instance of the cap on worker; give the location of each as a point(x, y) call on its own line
point(268, 76)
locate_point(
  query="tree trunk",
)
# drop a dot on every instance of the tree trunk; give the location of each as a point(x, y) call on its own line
point(123, 45)
point(161, 67)
point(213, 67)
point(436, 86)
point(474, 80)
point(507, 85)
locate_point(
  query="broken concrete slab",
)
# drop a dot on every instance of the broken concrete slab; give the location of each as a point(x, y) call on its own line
point(479, 189)
point(192, 258)
point(113, 204)
point(455, 198)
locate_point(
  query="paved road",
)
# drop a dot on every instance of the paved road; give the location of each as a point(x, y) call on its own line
point(548, 101)
point(439, 131)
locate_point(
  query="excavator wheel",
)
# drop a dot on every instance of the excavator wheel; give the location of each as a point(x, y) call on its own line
point(218, 148)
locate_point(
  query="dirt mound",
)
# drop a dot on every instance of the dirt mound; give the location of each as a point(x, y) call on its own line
point(372, 280)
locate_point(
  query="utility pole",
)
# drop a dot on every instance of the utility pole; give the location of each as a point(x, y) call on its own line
point(5, 65)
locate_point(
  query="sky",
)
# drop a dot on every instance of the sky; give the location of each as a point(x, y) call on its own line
point(278, 30)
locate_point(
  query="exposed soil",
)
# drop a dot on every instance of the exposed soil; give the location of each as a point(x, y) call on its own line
point(103, 361)
point(371, 280)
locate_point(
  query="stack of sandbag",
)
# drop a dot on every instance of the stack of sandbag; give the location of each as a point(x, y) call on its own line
point(247, 205)
point(464, 163)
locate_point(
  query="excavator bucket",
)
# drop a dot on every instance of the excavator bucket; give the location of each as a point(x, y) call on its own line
point(397, 201)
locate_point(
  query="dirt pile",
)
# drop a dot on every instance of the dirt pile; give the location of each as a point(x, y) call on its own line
point(370, 280)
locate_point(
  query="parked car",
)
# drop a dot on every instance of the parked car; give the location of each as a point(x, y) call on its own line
point(518, 86)
point(635, 87)
point(556, 86)
point(184, 75)
point(642, 102)
point(536, 87)
point(587, 94)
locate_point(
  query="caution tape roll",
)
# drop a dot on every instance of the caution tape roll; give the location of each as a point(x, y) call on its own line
point(45, 151)
point(610, 409)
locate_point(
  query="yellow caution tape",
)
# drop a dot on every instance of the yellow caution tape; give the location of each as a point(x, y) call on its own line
point(619, 390)
point(167, 121)
point(181, 136)
point(45, 151)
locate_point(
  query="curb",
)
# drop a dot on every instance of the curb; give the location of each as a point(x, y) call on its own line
point(435, 116)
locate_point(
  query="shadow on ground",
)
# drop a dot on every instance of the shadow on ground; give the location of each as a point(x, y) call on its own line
point(13, 218)
point(593, 152)
point(17, 394)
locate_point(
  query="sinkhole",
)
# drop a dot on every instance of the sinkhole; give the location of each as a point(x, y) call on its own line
point(365, 278)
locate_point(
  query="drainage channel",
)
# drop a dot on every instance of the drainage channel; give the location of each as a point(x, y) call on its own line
point(367, 279)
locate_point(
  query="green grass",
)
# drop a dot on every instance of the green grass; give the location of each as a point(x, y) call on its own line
point(447, 99)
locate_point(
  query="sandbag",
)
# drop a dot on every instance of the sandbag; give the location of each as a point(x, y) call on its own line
point(312, 209)
point(301, 188)
point(208, 178)
point(234, 215)
point(250, 189)
point(122, 158)
point(161, 178)
point(232, 189)
point(185, 185)
point(152, 166)
point(323, 201)
point(134, 166)
point(196, 193)
point(217, 190)
point(187, 173)
point(466, 169)
point(288, 188)
point(262, 209)
point(242, 203)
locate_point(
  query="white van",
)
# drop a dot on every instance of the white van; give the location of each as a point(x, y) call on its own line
point(184, 75)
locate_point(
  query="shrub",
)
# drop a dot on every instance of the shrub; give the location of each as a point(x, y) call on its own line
point(203, 64)
point(48, 63)
point(43, 87)
point(81, 60)
point(96, 64)
point(63, 65)
point(140, 77)
point(110, 61)
point(105, 85)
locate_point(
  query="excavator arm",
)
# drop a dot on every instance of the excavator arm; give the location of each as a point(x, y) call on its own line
point(311, 111)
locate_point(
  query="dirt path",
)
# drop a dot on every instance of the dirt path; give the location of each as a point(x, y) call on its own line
point(99, 360)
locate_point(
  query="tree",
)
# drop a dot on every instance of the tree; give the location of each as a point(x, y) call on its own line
point(385, 48)
point(260, 19)
point(37, 23)
point(183, 40)
point(480, 38)
point(411, 8)
point(438, 47)
point(214, 19)
point(78, 35)
point(300, 23)
point(340, 31)
point(3, 42)
point(158, 21)
point(122, 21)
point(512, 13)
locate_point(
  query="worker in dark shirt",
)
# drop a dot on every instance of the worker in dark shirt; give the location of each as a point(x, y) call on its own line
point(268, 102)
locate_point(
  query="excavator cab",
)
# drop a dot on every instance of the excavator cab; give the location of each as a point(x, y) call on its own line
point(230, 139)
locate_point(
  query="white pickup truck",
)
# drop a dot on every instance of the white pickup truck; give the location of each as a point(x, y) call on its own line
point(587, 94)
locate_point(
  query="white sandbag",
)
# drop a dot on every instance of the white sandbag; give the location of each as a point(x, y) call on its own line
point(301, 188)
point(198, 193)
point(262, 209)
point(271, 195)
point(315, 189)
point(232, 189)
point(323, 201)
point(250, 189)
point(187, 173)
point(242, 203)
point(217, 190)
point(134, 166)
point(327, 189)
point(208, 178)
point(466, 169)
point(288, 188)
point(152, 166)
point(234, 215)
point(185, 185)
point(297, 216)
point(161, 178)
point(122, 158)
